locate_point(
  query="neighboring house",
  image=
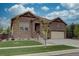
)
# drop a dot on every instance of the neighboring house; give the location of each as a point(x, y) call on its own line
point(28, 25)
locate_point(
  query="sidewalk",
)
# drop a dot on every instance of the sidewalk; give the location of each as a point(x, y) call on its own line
point(52, 53)
point(25, 46)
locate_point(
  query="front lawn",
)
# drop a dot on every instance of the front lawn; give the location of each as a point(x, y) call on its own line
point(20, 51)
point(18, 43)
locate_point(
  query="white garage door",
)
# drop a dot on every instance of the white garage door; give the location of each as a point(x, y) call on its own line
point(57, 35)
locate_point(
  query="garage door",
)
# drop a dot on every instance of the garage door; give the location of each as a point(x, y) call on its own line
point(57, 35)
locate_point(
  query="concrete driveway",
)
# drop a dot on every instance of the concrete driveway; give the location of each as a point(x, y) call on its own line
point(70, 42)
point(70, 54)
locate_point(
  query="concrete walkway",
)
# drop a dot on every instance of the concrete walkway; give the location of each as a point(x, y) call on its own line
point(25, 46)
point(52, 53)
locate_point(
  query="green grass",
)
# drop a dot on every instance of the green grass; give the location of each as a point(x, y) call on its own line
point(20, 51)
point(18, 43)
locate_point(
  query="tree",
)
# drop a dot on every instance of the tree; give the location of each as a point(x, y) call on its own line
point(45, 30)
point(8, 30)
point(70, 31)
point(1, 29)
point(76, 31)
point(1, 26)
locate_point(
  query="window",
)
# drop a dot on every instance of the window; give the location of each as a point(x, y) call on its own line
point(26, 29)
point(23, 26)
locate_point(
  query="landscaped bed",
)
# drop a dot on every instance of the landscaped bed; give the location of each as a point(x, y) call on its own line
point(20, 51)
point(19, 43)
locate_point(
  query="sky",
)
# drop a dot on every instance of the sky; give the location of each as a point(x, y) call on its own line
point(68, 12)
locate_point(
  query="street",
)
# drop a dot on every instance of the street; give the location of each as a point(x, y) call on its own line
point(70, 54)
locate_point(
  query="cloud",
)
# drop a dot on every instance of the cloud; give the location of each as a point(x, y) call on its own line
point(5, 9)
point(56, 14)
point(73, 11)
point(57, 7)
point(19, 9)
point(5, 22)
point(66, 15)
point(70, 14)
point(31, 9)
point(45, 8)
point(70, 5)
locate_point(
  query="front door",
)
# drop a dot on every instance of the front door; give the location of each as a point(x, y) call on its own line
point(37, 27)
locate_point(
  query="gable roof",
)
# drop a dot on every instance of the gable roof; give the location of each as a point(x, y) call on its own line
point(57, 20)
point(27, 14)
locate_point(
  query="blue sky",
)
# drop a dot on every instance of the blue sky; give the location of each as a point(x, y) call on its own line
point(69, 12)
